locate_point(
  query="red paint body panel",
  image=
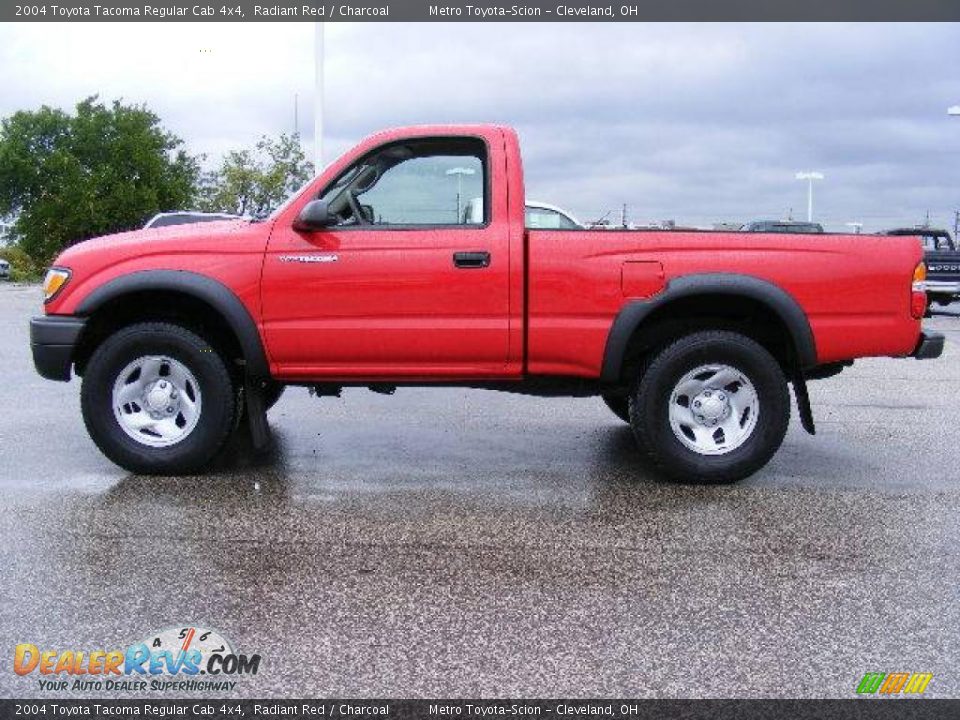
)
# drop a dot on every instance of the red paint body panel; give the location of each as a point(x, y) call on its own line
point(393, 307)
point(855, 289)
point(230, 251)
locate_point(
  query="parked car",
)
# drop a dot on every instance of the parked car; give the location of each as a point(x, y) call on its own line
point(782, 226)
point(368, 276)
point(942, 256)
point(537, 214)
point(186, 217)
point(544, 216)
point(4, 269)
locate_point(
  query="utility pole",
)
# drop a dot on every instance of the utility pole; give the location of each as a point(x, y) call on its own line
point(459, 172)
point(623, 216)
point(296, 114)
point(954, 110)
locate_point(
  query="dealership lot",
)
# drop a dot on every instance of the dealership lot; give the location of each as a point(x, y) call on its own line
point(469, 543)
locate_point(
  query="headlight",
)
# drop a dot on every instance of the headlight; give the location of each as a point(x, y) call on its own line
point(54, 281)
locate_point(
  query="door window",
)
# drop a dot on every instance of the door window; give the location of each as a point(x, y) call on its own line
point(414, 183)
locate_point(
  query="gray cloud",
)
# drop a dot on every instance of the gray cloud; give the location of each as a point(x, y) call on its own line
point(692, 122)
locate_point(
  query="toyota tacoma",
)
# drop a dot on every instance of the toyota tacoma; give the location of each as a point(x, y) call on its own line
point(374, 275)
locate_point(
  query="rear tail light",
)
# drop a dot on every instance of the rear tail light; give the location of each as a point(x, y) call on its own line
point(918, 291)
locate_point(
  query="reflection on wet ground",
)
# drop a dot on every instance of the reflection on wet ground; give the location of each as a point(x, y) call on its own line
point(453, 542)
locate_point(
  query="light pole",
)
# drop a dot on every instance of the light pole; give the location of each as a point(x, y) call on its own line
point(954, 110)
point(809, 177)
point(318, 31)
point(460, 172)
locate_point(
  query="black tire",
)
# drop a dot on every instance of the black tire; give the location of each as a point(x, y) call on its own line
point(217, 413)
point(272, 393)
point(650, 403)
point(619, 405)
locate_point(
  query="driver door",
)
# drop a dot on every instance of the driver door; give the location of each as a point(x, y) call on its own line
point(405, 283)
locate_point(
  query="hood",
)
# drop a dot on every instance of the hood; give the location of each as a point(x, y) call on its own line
point(189, 237)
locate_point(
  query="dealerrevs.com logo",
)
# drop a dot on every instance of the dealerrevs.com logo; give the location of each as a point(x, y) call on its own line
point(176, 659)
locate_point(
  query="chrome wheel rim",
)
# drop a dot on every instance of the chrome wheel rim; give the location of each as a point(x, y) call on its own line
point(156, 401)
point(714, 409)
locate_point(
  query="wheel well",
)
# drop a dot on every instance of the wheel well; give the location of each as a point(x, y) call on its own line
point(709, 311)
point(159, 306)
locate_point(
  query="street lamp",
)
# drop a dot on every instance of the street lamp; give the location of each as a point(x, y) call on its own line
point(460, 172)
point(318, 29)
point(809, 177)
point(953, 110)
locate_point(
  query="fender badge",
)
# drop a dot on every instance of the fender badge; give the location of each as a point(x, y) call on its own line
point(328, 258)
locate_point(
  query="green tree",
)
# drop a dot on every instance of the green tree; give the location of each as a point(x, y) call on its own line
point(258, 181)
point(65, 178)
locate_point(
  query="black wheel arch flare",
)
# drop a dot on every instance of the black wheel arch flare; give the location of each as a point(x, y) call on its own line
point(204, 288)
point(779, 301)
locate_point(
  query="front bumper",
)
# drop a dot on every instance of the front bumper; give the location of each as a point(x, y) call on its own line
point(928, 347)
point(52, 341)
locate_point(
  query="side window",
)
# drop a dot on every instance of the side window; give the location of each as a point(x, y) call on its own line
point(420, 182)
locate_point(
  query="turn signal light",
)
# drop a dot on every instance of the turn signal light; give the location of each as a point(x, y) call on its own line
point(54, 281)
point(918, 294)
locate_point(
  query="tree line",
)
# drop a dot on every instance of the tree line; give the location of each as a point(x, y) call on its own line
point(105, 168)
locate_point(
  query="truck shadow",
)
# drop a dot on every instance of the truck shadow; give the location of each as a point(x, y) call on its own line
point(237, 473)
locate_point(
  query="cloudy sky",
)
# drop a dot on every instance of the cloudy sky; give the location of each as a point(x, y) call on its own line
point(699, 123)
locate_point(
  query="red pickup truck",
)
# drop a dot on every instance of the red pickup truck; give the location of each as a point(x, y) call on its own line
point(375, 275)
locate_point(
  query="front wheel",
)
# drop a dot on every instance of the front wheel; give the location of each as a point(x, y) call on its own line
point(619, 405)
point(158, 399)
point(713, 407)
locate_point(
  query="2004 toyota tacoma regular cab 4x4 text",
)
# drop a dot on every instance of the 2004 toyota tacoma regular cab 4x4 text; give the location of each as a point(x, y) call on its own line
point(376, 275)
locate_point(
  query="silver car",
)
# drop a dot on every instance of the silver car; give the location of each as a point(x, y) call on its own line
point(187, 217)
point(4, 269)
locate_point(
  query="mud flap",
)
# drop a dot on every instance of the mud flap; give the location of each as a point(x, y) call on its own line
point(257, 415)
point(803, 404)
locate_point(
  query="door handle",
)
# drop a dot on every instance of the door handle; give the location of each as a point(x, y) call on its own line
point(476, 259)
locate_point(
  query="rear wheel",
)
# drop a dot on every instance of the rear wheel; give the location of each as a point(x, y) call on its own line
point(712, 407)
point(619, 405)
point(158, 399)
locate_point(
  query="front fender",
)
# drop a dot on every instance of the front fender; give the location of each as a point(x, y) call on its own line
point(213, 292)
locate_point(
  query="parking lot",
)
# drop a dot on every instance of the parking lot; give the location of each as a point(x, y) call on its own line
point(464, 543)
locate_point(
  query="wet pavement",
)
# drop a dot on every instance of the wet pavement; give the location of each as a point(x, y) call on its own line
point(464, 543)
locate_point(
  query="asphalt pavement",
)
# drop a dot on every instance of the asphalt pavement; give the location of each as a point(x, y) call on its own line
point(466, 543)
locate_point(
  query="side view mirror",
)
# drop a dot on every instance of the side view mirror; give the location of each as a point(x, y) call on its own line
point(314, 216)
